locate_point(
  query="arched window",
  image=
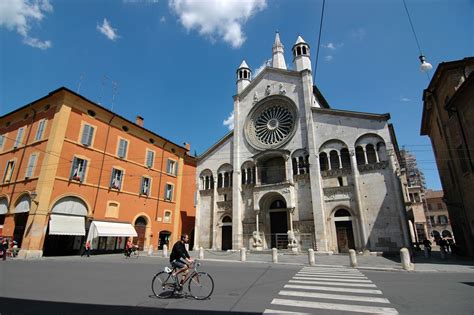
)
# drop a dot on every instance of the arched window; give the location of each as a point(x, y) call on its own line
point(226, 219)
point(240, 74)
point(304, 50)
point(140, 221)
point(278, 204)
point(323, 161)
point(442, 219)
point(226, 179)
point(298, 50)
point(294, 163)
point(334, 158)
point(301, 165)
point(342, 213)
point(446, 233)
point(345, 158)
point(220, 183)
point(360, 156)
point(370, 150)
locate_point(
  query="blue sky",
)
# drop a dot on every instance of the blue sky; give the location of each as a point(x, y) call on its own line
point(174, 61)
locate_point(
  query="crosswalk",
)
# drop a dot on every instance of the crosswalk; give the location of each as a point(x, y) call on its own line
point(332, 290)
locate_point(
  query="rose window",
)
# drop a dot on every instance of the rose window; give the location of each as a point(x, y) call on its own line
point(271, 124)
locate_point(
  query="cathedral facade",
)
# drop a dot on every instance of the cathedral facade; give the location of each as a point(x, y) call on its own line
point(296, 174)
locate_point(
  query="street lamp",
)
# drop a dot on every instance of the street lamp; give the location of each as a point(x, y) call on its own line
point(425, 66)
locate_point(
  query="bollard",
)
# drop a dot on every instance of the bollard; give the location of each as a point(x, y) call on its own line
point(442, 252)
point(274, 255)
point(165, 251)
point(311, 257)
point(243, 254)
point(201, 253)
point(405, 258)
point(353, 258)
point(150, 250)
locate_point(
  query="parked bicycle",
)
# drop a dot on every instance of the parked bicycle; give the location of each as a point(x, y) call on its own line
point(200, 284)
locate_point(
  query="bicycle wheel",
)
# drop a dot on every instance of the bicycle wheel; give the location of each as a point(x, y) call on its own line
point(163, 285)
point(201, 286)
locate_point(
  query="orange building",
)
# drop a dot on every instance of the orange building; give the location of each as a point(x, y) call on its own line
point(73, 170)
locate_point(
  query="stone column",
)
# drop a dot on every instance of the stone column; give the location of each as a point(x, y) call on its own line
point(340, 160)
point(214, 216)
point(288, 169)
point(365, 156)
point(355, 174)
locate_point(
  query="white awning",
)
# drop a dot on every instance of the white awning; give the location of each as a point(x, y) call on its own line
point(100, 228)
point(66, 225)
point(23, 205)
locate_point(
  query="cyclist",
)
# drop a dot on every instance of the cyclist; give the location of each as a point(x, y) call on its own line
point(129, 247)
point(180, 259)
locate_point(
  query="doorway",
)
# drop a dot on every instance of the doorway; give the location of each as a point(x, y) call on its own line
point(226, 233)
point(20, 225)
point(164, 239)
point(279, 229)
point(345, 236)
point(140, 227)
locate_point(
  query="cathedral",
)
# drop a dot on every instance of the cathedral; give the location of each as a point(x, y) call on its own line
point(295, 173)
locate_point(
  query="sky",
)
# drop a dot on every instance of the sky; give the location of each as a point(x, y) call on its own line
point(173, 61)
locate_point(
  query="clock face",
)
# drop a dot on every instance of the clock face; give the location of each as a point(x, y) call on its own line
point(271, 123)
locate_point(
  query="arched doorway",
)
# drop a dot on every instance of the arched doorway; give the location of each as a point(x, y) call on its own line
point(278, 224)
point(22, 210)
point(164, 239)
point(226, 233)
point(344, 231)
point(140, 227)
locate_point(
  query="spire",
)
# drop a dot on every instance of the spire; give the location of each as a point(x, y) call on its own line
point(278, 58)
point(243, 65)
point(300, 40)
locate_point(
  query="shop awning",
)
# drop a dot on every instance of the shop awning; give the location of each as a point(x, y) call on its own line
point(66, 225)
point(3, 206)
point(100, 228)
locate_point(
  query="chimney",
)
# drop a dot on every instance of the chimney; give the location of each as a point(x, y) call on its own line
point(187, 146)
point(139, 121)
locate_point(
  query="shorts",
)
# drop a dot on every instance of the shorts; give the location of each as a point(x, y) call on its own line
point(179, 263)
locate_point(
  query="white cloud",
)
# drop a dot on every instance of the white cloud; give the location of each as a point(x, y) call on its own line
point(108, 30)
point(262, 66)
point(229, 122)
point(217, 18)
point(405, 99)
point(358, 34)
point(329, 58)
point(333, 46)
point(163, 19)
point(18, 15)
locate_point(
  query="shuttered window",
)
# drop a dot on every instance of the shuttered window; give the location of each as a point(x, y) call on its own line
point(150, 157)
point(172, 167)
point(169, 192)
point(40, 131)
point(7, 176)
point(87, 134)
point(19, 137)
point(122, 149)
point(2, 141)
point(145, 186)
point(116, 179)
point(31, 165)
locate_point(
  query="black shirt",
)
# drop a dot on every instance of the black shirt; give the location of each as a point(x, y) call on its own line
point(179, 251)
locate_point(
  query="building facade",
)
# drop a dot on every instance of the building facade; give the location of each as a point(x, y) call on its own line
point(73, 170)
point(295, 173)
point(448, 117)
point(437, 216)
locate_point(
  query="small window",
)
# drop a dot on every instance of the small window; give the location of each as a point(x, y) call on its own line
point(31, 165)
point(2, 141)
point(443, 219)
point(116, 179)
point(150, 157)
point(7, 176)
point(169, 192)
point(122, 149)
point(432, 219)
point(19, 137)
point(145, 186)
point(112, 210)
point(40, 130)
point(78, 169)
point(87, 134)
point(172, 167)
point(167, 217)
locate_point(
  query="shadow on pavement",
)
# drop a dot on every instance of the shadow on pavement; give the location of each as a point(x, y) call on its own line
point(13, 306)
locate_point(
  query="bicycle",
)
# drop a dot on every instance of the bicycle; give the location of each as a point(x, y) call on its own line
point(200, 284)
point(132, 253)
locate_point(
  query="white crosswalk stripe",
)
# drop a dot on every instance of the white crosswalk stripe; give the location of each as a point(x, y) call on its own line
point(331, 289)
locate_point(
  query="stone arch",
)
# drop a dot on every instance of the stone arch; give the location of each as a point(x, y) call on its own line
point(23, 197)
point(344, 228)
point(342, 207)
point(206, 179)
point(332, 144)
point(247, 171)
point(71, 209)
point(65, 195)
point(371, 148)
point(224, 175)
point(300, 162)
point(267, 199)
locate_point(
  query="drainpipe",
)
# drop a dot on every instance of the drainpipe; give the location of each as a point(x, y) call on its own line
point(102, 164)
point(159, 183)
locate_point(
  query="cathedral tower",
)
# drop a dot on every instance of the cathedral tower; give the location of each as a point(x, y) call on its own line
point(301, 60)
point(243, 76)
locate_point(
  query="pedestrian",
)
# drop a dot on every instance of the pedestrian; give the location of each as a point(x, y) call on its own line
point(88, 248)
point(83, 249)
point(427, 245)
point(2, 250)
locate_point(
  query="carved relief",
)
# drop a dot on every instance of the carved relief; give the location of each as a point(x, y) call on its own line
point(336, 172)
point(337, 193)
point(303, 226)
point(373, 166)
